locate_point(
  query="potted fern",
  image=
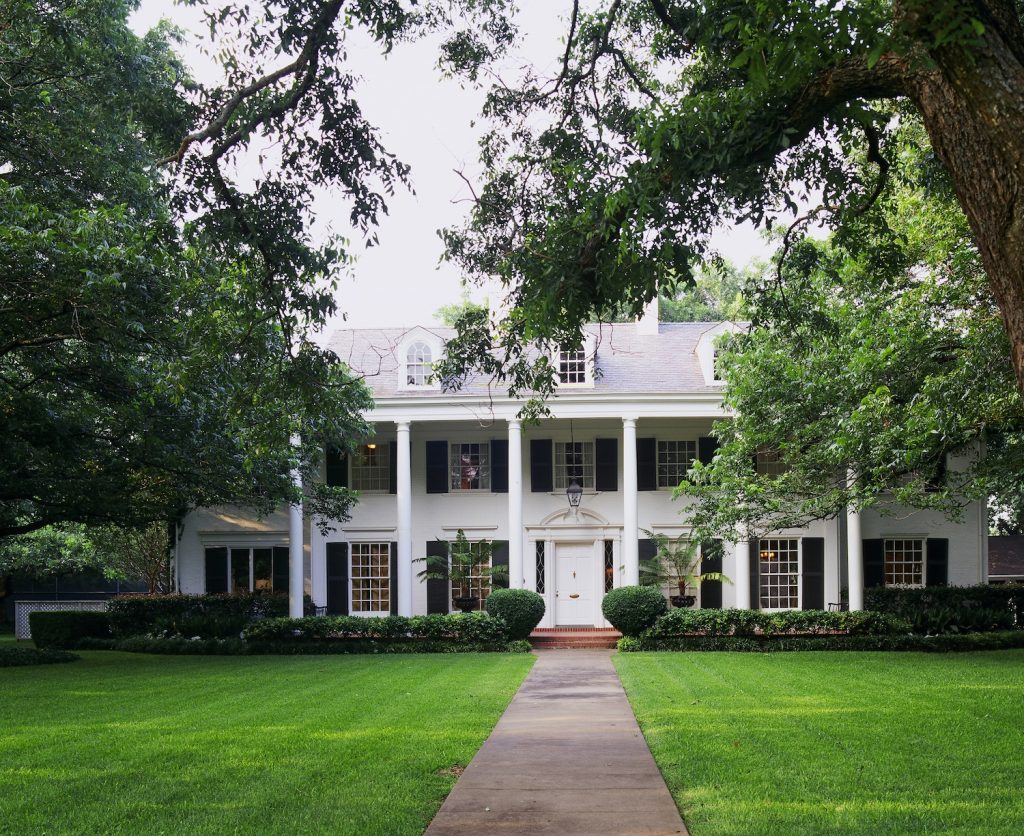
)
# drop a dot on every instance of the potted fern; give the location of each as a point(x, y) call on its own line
point(463, 563)
point(676, 562)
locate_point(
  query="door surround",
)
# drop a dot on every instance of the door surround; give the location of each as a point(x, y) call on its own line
point(564, 527)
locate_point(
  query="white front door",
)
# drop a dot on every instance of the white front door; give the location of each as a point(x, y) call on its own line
point(574, 590)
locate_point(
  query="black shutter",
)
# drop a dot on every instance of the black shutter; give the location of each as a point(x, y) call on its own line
point(874, 563)
point(938, 476)
point(216, 570)
point(646, 464)
point(814, 573)
point(280, 572)
point(499, 465)
point(711, 561)
point(937, 570)
point(606, 464)
point(437, 467)
point(337, 578)
point(336, 468)
point(755, 574)
point(394, 578)
point(499, 557)
point(393, 467)
point(707, 446)
point(437, 589)
point(646, 549)
point(541, 475)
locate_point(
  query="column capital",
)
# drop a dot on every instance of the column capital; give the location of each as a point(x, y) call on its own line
point(403, 426)
point(515, 424)
point(629, 422)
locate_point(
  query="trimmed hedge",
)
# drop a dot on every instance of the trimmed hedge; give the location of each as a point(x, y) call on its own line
point(66, 629)
point(632, 609)
point(206, 616)
point(238, 647)
point(16, 657)
point(734, 622)
point(952, 609)
point(455, 628)
point(522, 610)
point(964, 642)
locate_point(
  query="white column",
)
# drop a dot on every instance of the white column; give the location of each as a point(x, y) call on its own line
point(630, 554)
point(854, 559)
point(515, 505)
point(741, 580)
point(296, 574)
point(404, 497)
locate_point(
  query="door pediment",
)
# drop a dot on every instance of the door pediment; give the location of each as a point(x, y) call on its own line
point(580, 518)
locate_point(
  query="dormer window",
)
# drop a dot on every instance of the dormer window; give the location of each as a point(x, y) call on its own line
point(716, 367)
point(572, 366)
point(418, 361)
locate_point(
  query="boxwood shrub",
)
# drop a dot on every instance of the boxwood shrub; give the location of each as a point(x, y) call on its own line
point(65, 629)
point(963, 642)
point(14, 657)
point(206, 616)
point(455, 629)
point(733, 622)
point(522, 610)
point(632, 609)
point(952, 609)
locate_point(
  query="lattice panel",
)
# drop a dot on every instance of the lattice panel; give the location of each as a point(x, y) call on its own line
point(22, 609)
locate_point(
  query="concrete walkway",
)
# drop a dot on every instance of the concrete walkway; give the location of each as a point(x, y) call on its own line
point(567, 757)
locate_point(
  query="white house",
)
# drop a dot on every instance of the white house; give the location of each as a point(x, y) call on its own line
point(634, 408)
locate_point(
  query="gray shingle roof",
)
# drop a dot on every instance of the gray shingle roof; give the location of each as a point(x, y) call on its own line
point(627, 361)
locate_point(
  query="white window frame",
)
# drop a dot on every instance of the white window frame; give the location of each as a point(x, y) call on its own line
point(799, 573)
point(371, 479)
point(477, 583)
point(559, 466)
point(658, 463)
point(587, 358)
point(770, 463)
point(924, 560)
point(419, 360)
point(455, 466)
point(360, 545)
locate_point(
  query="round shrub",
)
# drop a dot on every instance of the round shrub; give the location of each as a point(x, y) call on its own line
point(632, 609)
point(521, 609)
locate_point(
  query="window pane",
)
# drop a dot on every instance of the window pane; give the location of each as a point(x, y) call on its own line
point(370, 577)
point(262, 570)
point(418, 360)
point(470, 467)
point(239, 571)
point(904, 562)
point(479, 584)
point(779, 564)
point(574, 460)
point(371, 468)
point(572, 366)
point(674, 459)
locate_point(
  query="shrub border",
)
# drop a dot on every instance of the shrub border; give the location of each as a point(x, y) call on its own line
point(240, 647)
point(16, 657)
point(948, 643)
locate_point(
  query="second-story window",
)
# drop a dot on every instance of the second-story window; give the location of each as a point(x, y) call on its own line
point(371, 470)
point(574, 460)
point(674, 460)
point(417, 364)
point(572, 366)
point(469, 467)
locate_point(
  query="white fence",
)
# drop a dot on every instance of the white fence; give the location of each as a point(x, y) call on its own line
point(23, 608)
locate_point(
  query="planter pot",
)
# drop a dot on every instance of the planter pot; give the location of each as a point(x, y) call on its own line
point(467, 604)
point(683, 601)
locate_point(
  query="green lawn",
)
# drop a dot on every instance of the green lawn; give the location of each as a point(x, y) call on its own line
point(834, 743)
point(132, 743)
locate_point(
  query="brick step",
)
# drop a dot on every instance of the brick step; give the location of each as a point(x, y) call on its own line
point(580, 638)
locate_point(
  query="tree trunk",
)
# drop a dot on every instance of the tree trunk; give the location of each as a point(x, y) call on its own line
point(972, 104)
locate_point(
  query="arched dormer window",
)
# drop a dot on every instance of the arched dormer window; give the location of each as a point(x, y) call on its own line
point(418, 361)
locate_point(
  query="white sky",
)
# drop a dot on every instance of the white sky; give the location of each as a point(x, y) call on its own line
point(425, 120)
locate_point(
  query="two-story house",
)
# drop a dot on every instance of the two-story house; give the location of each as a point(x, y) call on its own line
point(634, 408)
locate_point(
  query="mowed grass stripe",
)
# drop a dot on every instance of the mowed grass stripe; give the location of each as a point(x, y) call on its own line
point(836, 742)
point(136, 743)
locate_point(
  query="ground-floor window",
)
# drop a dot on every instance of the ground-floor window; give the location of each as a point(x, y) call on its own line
point(478, 583)
point(904, 562)
point(539, 557)
point(240, 570)
point(609, 565)
point(370, 578)
point(779, 573)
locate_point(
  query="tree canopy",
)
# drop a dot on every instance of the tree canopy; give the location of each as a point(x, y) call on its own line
point(605, 180)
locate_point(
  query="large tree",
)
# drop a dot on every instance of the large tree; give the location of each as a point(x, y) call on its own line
point(667, 117)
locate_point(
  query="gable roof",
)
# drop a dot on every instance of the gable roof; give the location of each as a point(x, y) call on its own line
point(627, 362)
